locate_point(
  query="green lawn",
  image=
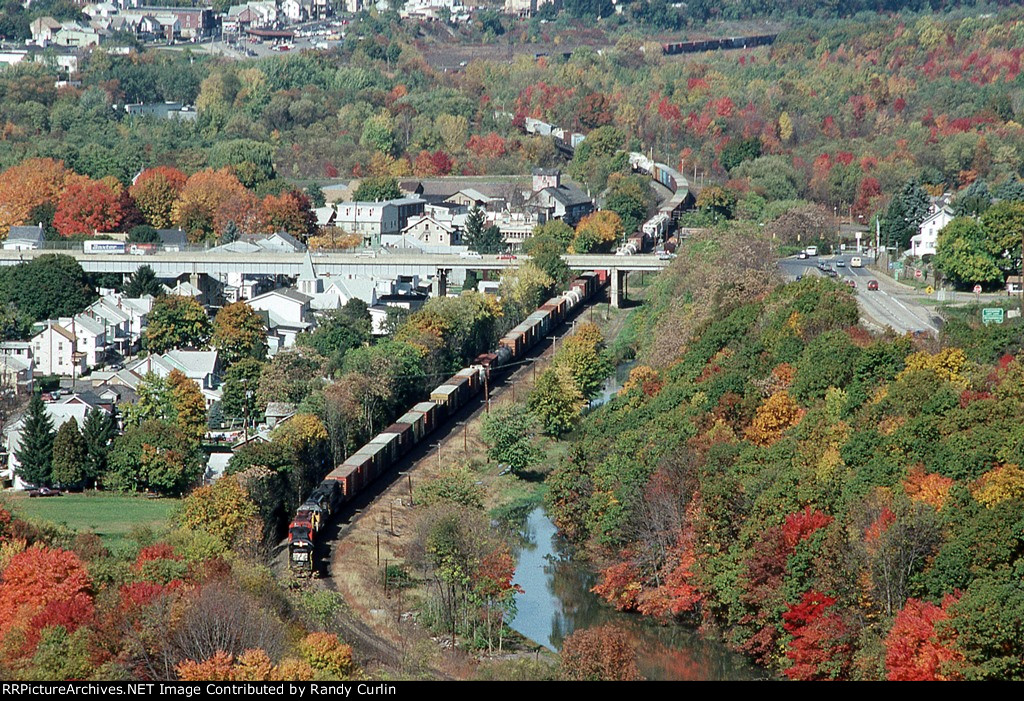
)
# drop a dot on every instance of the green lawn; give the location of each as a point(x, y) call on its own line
point(110, 516)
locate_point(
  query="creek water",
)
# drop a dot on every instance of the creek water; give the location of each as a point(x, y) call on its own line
point(556, 600)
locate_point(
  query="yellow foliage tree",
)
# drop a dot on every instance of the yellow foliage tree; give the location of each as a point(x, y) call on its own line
point(645, 378)
point(327, 655)
point(222, 509)
point(999, 485)
point(597, 232)
point(948, 364)
point(776, 414)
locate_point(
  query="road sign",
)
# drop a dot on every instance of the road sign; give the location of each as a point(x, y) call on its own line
point(918, 274)
point(977, 289)
point(992, 315)
point(898, 266)
point(928, 290)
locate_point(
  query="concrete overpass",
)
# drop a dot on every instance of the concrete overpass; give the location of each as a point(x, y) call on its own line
point(378, 264)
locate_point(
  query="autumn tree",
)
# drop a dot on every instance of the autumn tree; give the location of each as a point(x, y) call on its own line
point(176, 322)
point(202, 199)
point(583, 356)
point(29, 184)
point(775, 415)
point(239, 332)
point(597, 232)
point(189, 405)
point(155, 192)
point(39, 578)
point(919, 646)
point(290, 211)
point(222, 509)
point(821, 646)
point(556, 400)
point(604, 653)
point(88, 207)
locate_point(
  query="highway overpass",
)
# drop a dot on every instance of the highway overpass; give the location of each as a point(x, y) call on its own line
point(377, 264)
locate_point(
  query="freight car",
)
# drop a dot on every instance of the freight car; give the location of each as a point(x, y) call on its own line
point(387, 448)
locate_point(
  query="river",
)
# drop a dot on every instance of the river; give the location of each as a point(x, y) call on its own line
point(556, 600)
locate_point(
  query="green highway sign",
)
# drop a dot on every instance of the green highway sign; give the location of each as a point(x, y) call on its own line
point(992, 315)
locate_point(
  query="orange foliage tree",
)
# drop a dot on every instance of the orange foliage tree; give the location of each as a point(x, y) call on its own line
point(155, 192)
point(203, 197)
point(775, 415)
point(28, 185)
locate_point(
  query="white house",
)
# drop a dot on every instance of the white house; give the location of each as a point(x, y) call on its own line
point(926, 240)
point(286, 313)
point(90, 336)
point(53, 351)
point(24, 238)
point(368, 219)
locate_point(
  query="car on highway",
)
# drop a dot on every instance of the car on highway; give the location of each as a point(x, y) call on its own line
point(470, 254)
point(840, 263)
point(832, 272)
point(665, 255)
point(506, 256)
point(872, 284)
point(851, 283)
point(802, 255)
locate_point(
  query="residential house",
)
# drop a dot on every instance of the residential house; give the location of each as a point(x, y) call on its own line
point(90, 335)
point(286, 313)
point(43, 30)
point(470, 198)
point(24, 238)
point(54, 353)
point(16, 366)
point(370, 220)
point(553, 199)
point(925, 242)
point(202, 367)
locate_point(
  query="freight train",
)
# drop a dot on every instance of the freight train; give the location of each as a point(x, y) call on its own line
point(387, 448)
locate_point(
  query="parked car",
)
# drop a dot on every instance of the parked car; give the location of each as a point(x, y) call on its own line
point(802, 255)
point(872, 284)
point(45, 492)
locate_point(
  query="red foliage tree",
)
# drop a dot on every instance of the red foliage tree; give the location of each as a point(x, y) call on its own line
point(289, 211)
point(916, 648)
point(436, 163)
point(620, 585)
point(802, 525)
point(599, 654)
point(88, 207)
point(821, 647)
point(39, 578)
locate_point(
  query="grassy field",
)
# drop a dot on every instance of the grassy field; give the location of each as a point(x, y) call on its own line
point(110, 516)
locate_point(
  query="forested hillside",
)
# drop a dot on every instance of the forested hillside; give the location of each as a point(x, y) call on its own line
point(837, 505)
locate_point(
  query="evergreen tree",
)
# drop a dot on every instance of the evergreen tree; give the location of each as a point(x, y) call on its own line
point(36, 450)
point(142, 282)
point(474, 226)
point(907, 209)
point(231, 233)
point(316, 195)
point(98, 432)
point(69, 455)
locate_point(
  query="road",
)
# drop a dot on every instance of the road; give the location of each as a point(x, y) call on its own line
point(892, 305)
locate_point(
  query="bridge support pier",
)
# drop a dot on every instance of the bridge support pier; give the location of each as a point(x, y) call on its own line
point(441, 282)
point(618, 292)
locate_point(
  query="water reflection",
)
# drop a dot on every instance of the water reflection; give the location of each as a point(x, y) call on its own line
point(557, 600)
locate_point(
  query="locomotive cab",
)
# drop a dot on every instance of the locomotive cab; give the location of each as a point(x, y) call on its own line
point(300, 554)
